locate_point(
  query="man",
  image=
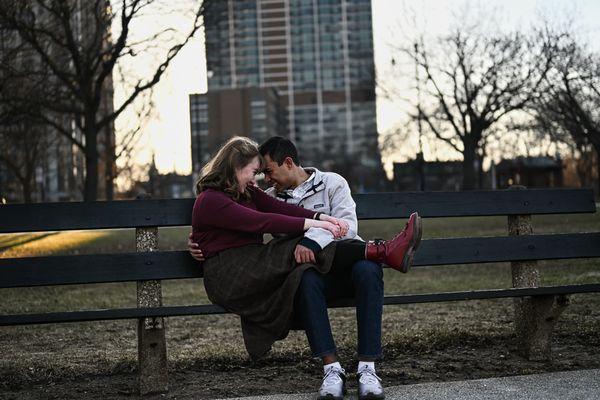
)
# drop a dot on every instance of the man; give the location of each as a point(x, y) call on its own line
point(329, 193)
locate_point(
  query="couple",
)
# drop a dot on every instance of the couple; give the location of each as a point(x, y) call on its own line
point(292, 277)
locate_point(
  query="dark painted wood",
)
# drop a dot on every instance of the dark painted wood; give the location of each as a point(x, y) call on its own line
point(61, 270)
point(100, 315)
point(99, 268)
point(173, 311)
point(95, 215)
point(507, 248)
point(177, 212)
point(475, 203)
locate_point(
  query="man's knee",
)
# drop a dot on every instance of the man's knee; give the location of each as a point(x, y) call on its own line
point(367, 272)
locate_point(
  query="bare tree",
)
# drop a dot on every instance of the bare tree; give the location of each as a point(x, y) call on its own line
point(73, 42)
point(22, 133)
point(470, 82)
point(22, 140)
point(568, 107)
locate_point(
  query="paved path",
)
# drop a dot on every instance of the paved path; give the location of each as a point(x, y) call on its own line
point(576, 385)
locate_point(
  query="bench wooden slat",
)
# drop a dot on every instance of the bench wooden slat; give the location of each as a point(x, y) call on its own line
point(177, 212)
point(508, 248)
point(97, 268)
point(173, 311)
point(475, 203)
point(61, 270)
point(95, 215)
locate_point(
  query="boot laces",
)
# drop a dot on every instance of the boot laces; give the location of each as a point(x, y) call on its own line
point(380, 247)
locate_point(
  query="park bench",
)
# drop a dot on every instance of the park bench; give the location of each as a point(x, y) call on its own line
point(535, 309)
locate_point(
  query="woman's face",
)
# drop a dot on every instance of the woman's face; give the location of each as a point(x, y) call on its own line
point(246, 175)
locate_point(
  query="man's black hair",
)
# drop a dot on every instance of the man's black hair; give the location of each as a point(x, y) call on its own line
point(278, 148)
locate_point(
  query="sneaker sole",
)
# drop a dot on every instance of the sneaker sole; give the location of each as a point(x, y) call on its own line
point(332, 397)
point(371, 396)
point(414, 245)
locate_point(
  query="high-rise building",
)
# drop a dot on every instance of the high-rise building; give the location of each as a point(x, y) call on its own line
point(317, 55)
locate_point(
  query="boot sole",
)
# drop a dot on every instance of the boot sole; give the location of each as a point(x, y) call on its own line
point(415, 241)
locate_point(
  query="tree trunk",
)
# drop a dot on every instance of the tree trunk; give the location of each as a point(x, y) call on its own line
point(480, 174)
point(109, 159)
point(90, 192)
point(109, 176)
point(26, 187)
point(597, 148)
point(469, 156)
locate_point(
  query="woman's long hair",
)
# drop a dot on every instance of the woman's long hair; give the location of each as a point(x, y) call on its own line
point(219, 172)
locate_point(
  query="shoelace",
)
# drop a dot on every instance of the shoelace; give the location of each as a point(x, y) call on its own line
point(368, 376)
point(332, 376)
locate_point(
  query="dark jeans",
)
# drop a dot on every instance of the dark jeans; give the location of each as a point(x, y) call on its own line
point(364, 283)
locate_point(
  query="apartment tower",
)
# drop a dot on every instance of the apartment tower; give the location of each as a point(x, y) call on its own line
point(317, 55)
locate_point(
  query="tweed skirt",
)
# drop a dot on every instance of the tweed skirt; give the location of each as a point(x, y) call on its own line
point(258, 282)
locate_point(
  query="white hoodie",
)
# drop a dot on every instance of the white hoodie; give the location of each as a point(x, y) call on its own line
point(325, 192)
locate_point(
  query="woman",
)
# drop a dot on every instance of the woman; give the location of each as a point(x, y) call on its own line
point(254, 280)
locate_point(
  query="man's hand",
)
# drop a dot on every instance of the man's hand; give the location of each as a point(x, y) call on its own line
point(194, 250)
point(304, 255)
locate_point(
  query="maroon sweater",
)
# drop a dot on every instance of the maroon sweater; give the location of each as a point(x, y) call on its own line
point(219, 223)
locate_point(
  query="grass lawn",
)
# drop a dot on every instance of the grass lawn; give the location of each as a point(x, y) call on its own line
point(422, 333)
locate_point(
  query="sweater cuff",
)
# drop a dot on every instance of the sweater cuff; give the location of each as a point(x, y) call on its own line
point(311, 244)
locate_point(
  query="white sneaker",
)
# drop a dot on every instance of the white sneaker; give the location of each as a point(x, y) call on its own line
point(369, 385)
point(334, 385)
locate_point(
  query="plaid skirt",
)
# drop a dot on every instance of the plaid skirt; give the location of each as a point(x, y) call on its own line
point(258, 282)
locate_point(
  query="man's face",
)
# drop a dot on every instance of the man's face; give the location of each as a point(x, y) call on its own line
point(279, 176)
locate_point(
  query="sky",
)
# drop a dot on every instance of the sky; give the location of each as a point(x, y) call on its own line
point(166, 135)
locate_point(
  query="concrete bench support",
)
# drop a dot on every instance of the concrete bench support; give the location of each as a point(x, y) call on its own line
point(152, 348)
point(534, 316)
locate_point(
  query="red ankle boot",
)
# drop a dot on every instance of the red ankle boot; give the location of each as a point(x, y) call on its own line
point(397, 253)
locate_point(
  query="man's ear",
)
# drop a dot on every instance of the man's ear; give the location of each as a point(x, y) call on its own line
point(288, 162)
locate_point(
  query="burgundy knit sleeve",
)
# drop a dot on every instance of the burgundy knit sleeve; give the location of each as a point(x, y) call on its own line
point(217, 210)
point(266, 203)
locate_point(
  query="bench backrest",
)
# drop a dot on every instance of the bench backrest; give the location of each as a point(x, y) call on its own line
point(60, 270)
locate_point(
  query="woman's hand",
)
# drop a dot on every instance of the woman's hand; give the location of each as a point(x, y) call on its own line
point(338, 228)
point(337, 221)
point(335, 229)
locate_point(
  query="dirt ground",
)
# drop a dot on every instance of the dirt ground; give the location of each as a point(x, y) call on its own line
point(453, 341)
